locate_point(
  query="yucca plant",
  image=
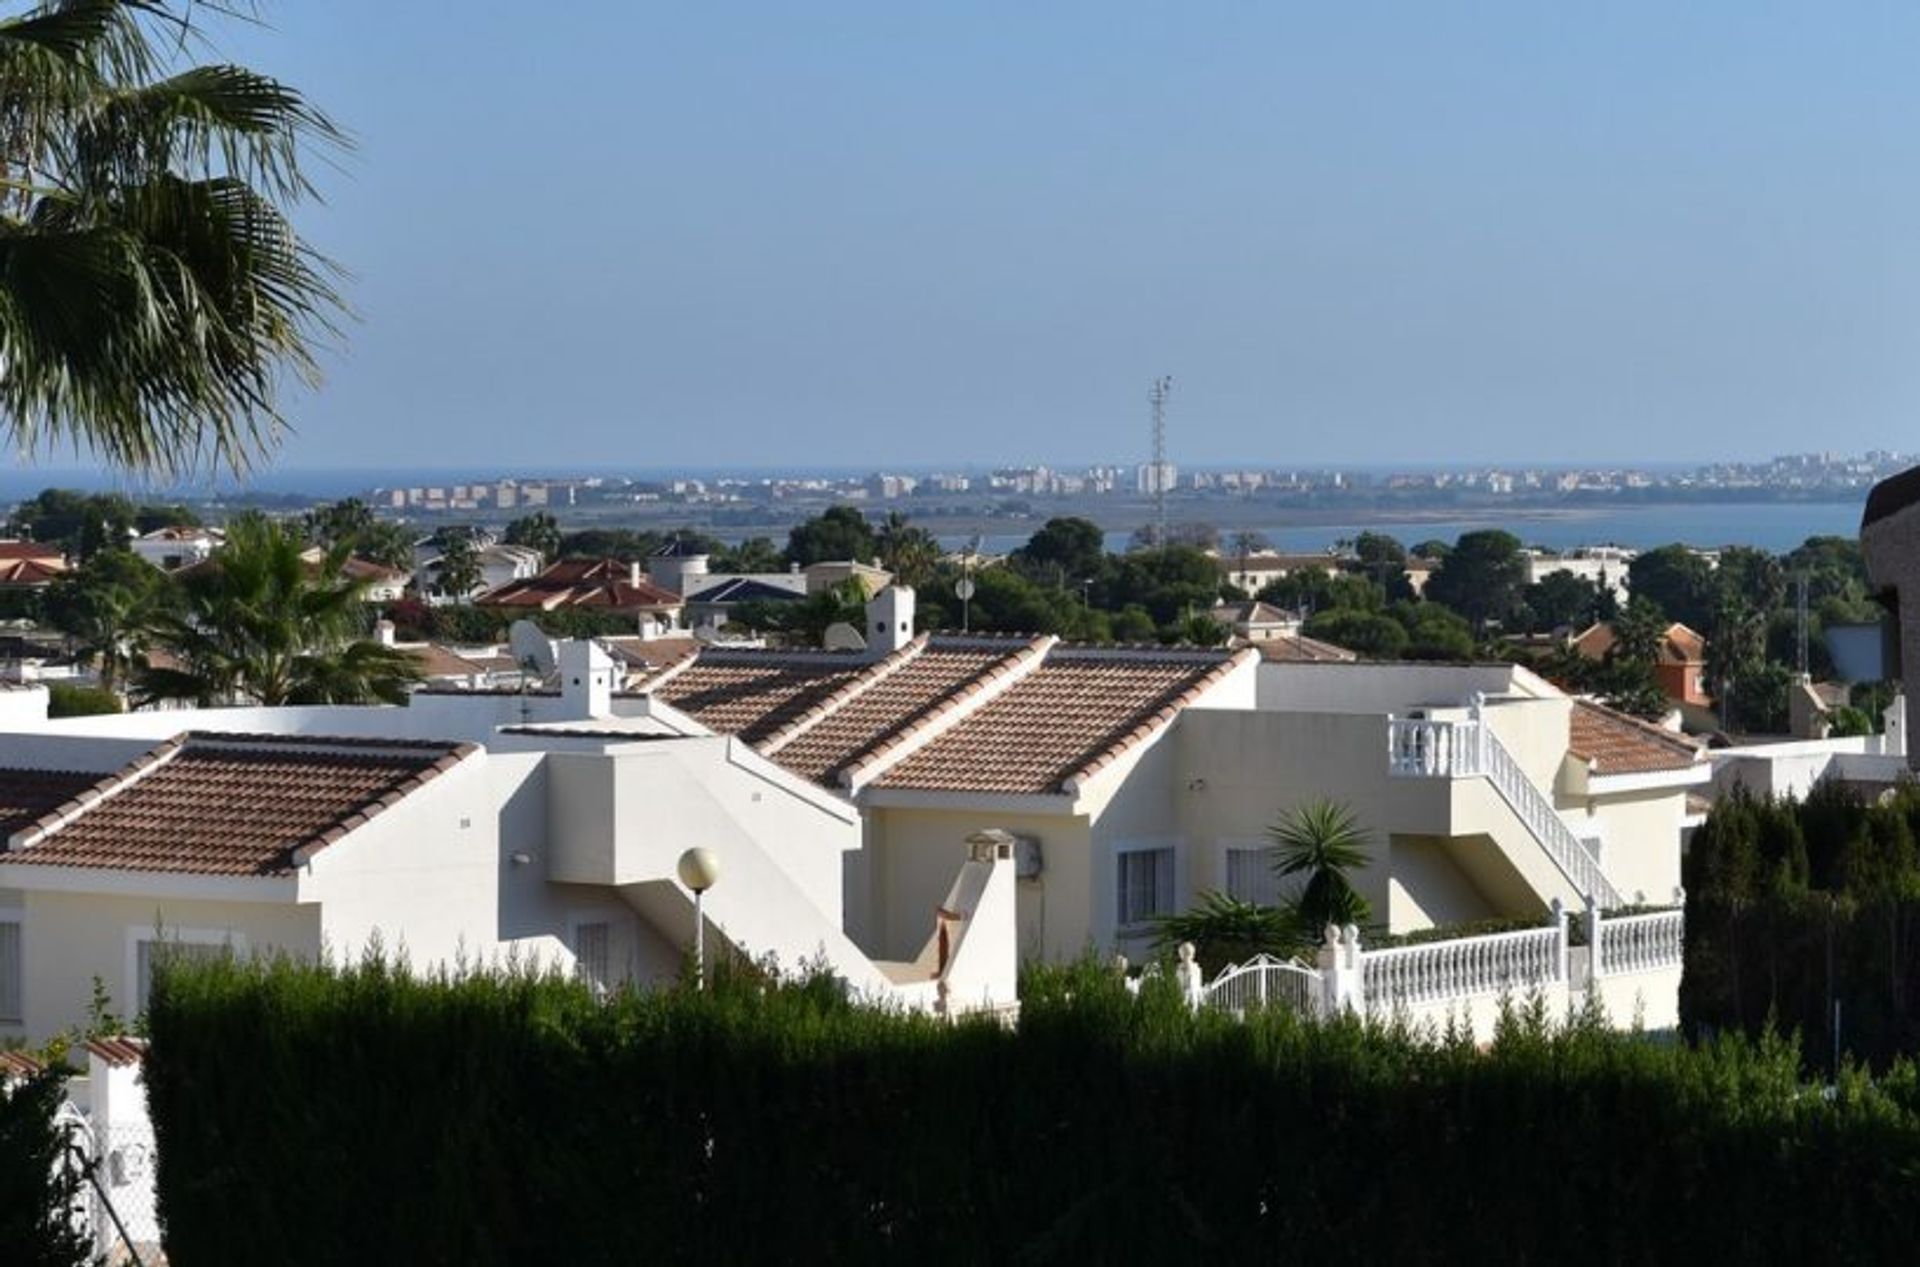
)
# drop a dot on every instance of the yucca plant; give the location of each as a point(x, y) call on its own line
point(153, 294)
point(1323, 841)
point(1225, 930)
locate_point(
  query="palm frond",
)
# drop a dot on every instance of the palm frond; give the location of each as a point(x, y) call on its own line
point(154, 297)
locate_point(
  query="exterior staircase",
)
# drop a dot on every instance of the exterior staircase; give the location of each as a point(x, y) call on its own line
point(1419, 748)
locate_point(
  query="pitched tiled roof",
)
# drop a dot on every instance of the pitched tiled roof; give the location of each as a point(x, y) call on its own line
point(34, 572)
point(25, 795)
point(42, 550)
point(754, 694)
point(1298, 648)
point(18, 1064)
point(227, 804)
point(600, 583)
point(1619, 744)
point(745, 589)
point(120, 1050)
point(867, 720)
point(994, 713)
point(1678, 644)
point(437, 661)
point(1075, 713)
point(359, 569)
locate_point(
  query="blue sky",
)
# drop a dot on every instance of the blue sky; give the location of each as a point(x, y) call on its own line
point(898, 233)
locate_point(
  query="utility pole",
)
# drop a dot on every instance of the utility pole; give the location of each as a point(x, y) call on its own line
point(1157, 397)
point(1800, 584)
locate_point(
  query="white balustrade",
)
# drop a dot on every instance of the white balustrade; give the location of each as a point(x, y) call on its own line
point(1382, 982)
point(1445, 970)
point(1463, 749)
point(1640, 943)
point(1432, 749)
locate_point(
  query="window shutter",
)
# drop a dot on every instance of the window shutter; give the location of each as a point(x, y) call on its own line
point(12, 1005)
point(591, 952)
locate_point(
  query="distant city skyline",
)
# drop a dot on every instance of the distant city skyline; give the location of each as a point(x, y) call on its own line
point(873, 235)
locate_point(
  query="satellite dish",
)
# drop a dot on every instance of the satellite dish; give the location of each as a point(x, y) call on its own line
point(531, 647)
point(841, 636)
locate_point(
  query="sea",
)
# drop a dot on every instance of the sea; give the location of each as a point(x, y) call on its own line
point(1775, 526)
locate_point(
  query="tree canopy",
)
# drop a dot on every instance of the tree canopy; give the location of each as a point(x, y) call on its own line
point(1481, 577)
point(154, 295)
point(837, 534)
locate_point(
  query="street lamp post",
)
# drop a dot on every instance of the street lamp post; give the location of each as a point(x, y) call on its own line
point(699, 870)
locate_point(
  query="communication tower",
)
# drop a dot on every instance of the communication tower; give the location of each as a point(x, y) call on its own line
point(1157, 397)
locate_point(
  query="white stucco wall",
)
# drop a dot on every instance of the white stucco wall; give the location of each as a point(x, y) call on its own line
point(67, 939)
point(422, 877)
point(1639, 835)
point(1377, 688)
point(912, 855)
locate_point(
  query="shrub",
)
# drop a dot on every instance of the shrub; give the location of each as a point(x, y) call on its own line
point(509, 1119)
point(36, 1192)
point(64, 699)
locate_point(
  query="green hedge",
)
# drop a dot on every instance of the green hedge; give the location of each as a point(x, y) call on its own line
point(313, 1116)
point(35, 1195)
point(1792, 906)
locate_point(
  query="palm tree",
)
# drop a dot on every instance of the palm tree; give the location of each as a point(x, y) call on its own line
point(107, 607)
point(153, 294)
point(909, 552)
point(259, 623)
point(456, 573)
point(1322, 841)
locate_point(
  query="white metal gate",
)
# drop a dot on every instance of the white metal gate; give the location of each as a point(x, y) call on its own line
point(1265, 981)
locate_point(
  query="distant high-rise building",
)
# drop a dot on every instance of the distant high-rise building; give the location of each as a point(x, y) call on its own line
point(1157, 477)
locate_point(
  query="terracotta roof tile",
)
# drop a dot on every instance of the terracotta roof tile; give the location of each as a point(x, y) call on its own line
point(1618, 744)
point(1299, 649)
point(120, 1050)
point(438, 661)
point(754, 694)
point(31, 572)
point(226, 804)
point(18, 1064)
point(26, 795)
point(1076, 712)
point(598, 583)
point(869, 719)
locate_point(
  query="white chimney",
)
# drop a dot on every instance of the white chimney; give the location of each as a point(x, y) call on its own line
point(633, 573)
point(890, 620)
point(586, 678)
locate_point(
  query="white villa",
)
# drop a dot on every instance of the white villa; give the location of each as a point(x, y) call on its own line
point(916, 816)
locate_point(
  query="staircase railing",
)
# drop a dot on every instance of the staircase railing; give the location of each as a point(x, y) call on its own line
point(1469, 749)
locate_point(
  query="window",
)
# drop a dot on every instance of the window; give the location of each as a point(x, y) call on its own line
point(147, 946)
point(1146, 884)
point(590, 942)
point(12, 1002)
point(1250, 876)
point(170, 948)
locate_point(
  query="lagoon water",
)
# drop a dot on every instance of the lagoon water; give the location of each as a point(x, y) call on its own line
point(1772, 526)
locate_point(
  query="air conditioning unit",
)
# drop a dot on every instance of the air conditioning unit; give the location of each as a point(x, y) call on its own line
point(1027, 860)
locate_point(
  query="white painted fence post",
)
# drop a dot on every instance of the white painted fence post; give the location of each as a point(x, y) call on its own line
point(1560, 926)
point(1595, 969)
point(1342, 980)
point(1192, 981)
